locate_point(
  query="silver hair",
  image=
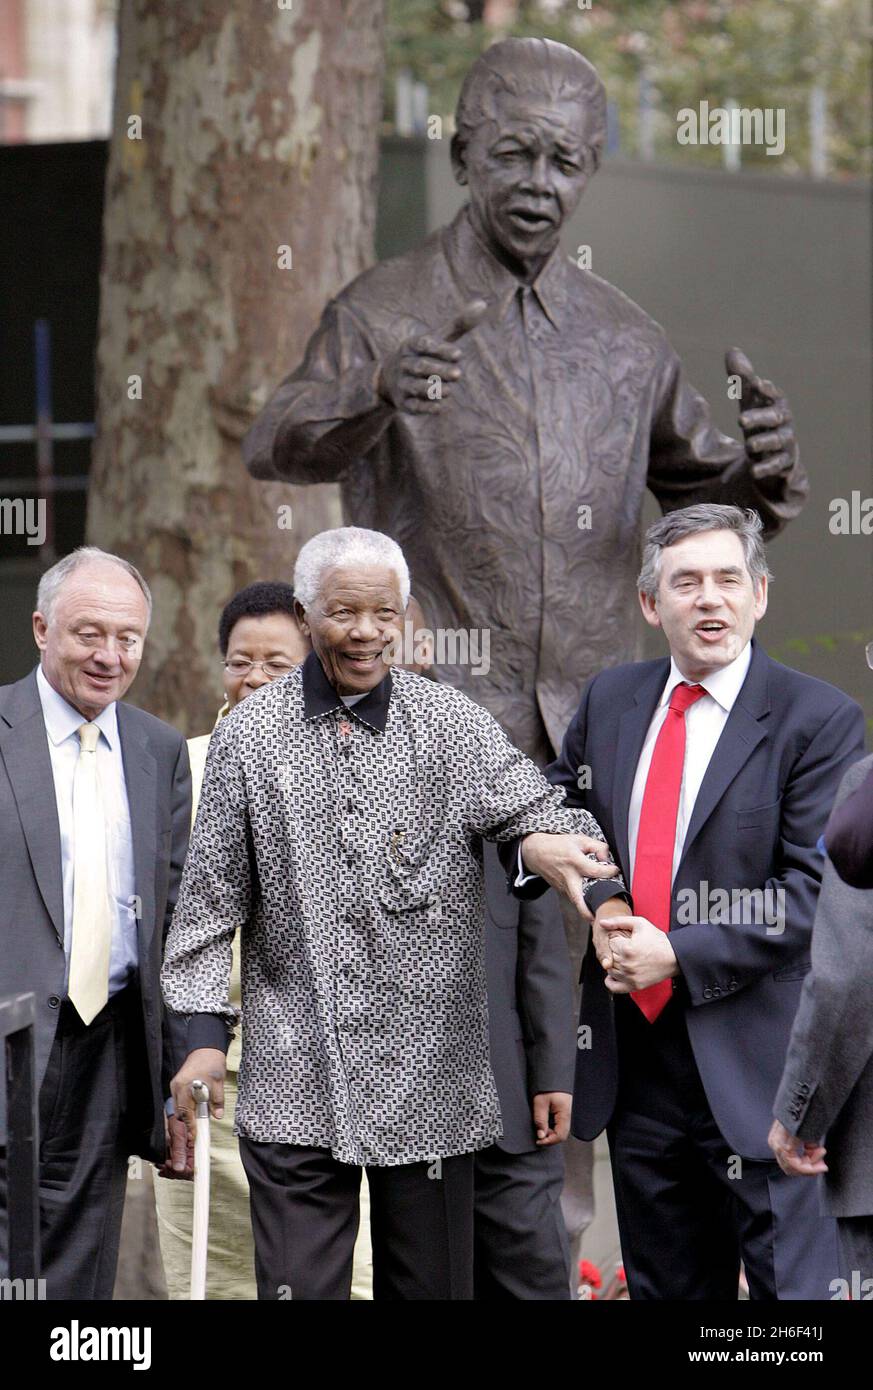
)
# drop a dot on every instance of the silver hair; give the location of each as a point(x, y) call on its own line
point(346, 545)
point(51, 582)
point(689, 521)
point(524, 65)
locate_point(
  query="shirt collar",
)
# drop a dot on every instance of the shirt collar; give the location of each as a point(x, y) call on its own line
point(320, 697)
point(479, 274)
point(723, 685)
point(62, 720)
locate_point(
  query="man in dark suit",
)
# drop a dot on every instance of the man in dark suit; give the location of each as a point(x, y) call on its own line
point(521, 1245)
point(826, 1095)
point(711, 775)
point(94, 814)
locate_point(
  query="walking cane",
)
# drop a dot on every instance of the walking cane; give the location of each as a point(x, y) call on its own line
point(200, 1231)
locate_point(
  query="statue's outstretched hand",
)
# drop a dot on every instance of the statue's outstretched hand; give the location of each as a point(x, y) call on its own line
point(418, 377)
point(765, 419)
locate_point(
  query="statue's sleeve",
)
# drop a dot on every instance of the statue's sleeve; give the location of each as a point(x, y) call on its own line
point(327, 414)
point(691, 461)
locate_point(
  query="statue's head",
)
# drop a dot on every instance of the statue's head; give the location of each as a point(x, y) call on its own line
point(530, 129)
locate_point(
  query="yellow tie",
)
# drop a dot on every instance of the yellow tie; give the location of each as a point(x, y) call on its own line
point(92, 918)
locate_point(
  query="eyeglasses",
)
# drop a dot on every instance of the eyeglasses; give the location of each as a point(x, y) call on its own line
point(271, 669)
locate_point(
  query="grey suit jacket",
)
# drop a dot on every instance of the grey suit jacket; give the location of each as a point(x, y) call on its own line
point(827, 1085)
point(531, 1018)
point(158, 781)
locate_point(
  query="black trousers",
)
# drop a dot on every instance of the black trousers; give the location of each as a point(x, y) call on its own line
point(521, 1249)
point(305, 1212)
point(83, 1105)
point(688, 1208)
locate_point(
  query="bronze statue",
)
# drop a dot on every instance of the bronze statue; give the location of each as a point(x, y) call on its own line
point(500, 411)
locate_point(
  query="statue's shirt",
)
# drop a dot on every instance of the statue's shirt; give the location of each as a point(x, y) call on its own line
point(518, 504)
point(345, 845)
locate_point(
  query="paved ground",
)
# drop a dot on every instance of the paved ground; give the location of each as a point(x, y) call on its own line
point(601, 1244)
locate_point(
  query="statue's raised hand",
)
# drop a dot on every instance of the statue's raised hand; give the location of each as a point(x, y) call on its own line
point(418, 377)
point(765, 419)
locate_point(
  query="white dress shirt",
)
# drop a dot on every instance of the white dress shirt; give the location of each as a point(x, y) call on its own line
point(62, 723)
point(704, 722)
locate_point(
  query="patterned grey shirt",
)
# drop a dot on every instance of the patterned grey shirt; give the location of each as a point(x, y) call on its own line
point(345, 845)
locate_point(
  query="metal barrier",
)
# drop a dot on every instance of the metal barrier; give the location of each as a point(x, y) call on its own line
point(22, 1129)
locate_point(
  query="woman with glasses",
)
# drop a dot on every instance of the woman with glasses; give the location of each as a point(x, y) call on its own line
point(259, 640)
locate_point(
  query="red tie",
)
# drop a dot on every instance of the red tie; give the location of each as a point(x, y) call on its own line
point(652, 883)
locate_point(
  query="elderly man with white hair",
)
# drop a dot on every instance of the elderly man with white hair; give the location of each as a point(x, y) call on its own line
point(340, 831)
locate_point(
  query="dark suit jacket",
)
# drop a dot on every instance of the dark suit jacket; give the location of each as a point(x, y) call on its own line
point(827, 1086)
point(762, 805)
point(532, 1030)
point(158, 781)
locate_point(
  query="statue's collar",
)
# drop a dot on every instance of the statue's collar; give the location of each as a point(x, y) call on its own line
point(481, 276)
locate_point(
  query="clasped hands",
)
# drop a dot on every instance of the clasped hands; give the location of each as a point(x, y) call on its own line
point(633, 952)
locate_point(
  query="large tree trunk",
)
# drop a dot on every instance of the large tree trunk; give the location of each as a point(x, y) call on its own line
point(259, 131)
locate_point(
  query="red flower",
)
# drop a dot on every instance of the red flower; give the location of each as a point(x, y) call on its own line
point(589, 1274)
point(620, 1274)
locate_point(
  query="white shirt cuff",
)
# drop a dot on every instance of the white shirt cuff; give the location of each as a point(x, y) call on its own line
point(522, 877)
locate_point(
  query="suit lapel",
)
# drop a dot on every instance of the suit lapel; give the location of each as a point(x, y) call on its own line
point(632, 730)
point(740, 736)
point(141, 782)
point(25, 751)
